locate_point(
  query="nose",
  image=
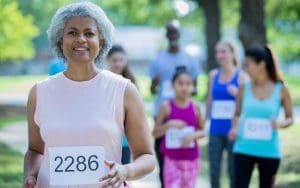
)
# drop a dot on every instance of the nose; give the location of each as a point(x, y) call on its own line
point(80, 38)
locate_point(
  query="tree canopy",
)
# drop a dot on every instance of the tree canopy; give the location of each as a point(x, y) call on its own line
point(22, 22)
point(17, 32)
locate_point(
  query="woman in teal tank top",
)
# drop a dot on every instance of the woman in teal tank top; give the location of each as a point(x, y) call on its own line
point(255, 125)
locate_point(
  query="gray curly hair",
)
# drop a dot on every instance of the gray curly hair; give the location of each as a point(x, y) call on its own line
point(82, 9)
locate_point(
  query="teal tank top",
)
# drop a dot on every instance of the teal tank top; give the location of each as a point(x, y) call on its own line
point(124, 141)
point(256, 137)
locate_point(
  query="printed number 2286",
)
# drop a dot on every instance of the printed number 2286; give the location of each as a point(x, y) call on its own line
point(81, 163)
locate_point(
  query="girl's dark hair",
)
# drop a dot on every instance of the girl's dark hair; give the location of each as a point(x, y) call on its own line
point(180, 71)
point(265, 54)
point(126, 73)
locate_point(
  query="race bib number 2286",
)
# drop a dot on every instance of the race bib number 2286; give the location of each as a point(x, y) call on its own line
point(76, 165)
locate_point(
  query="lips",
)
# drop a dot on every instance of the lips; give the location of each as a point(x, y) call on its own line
point(81, 49)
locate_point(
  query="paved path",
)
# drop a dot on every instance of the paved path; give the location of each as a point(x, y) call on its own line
point(15, 136)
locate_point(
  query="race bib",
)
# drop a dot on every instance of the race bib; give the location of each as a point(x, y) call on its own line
point(223, 109)
point(258, 128)
point(167, 90)
point(174, 137)
point(76, 165)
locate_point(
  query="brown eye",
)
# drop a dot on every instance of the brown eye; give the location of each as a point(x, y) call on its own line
point(89, 34)
point(72, 33)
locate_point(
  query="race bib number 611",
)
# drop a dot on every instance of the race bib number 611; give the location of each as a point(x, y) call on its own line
point(76, 165)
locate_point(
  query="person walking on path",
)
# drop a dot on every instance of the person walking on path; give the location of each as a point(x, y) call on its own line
point(179, 124)
point(223, 84)
point(162, 70)
point(255, 126)
point(76, 119)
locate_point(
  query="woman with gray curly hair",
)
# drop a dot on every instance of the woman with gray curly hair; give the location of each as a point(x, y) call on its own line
point(76, 118)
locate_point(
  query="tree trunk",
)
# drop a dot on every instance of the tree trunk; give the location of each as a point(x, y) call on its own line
point(252, 30)
point(211, 10)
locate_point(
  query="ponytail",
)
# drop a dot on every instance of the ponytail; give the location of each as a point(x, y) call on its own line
point(265, 54)
point(273, 69)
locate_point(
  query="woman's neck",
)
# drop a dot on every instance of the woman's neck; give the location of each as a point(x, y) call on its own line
point(228, 69)
point(182, 102)
point(81, 72)
point(261, 79)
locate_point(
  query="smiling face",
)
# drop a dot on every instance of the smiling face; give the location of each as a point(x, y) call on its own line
point(81, 40)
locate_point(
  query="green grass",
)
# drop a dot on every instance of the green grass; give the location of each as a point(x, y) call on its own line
point(293, 83)
point(289, 172)
point(22, 84)
point(11, 167)
point(15, 84)
point(10, 120)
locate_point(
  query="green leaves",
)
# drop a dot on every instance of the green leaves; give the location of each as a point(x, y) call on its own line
point(16, 33)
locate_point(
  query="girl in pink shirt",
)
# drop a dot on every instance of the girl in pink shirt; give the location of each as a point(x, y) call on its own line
point(179, 123)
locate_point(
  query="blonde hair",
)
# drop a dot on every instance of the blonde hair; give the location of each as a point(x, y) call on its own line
point(231, 46)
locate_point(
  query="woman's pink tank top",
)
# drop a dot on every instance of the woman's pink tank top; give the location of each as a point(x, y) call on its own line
point(80, 113)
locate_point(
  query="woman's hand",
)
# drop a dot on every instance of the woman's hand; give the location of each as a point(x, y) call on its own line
point(116, 176)
point(176, 123)
point(188, 139)
point(275, 124)
point(232, 134)
point(29, 182)
point(233, 90)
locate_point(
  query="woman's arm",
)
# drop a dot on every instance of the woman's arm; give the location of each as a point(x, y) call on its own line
point(288, 109)
point(199, 117)
point(208, 94)
point(139, 138)
point(238, 109)
point(138, 134)
point(34, 154)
